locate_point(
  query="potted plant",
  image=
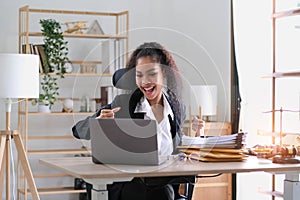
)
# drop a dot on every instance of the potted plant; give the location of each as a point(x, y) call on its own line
point(46, 99)
point(56, 52)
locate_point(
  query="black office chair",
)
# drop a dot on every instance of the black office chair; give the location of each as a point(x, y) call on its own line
point(125, 80)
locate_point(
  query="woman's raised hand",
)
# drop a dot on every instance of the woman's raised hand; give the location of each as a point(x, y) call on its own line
point(108, 113)
point(198, 126)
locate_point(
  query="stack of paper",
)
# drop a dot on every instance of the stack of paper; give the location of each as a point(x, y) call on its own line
point(234, 141)
point(215, 148)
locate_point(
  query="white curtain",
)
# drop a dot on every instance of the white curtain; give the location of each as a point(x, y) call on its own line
point(253, 46)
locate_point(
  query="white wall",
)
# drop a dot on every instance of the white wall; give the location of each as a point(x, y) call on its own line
point(196, 32)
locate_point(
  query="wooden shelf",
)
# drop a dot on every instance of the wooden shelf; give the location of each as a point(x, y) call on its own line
point(219, 187)
point(57, 151)
point(283, 74)
point(74, 99)
point(205, 185)
point(118, 27)
point(59, 113)
point(49, 175)
point(72, 12)
point(274, 134)
point(64, 98)
point(273, 193)
point(85, 62)
point(60, 190)
point(275, 73)
point(286, 13)
point(81, 74)
point(84, 36)
point(50, 137)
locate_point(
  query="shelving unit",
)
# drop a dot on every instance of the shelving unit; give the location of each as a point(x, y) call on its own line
point(54, 128)
point(275, 74)
point(218, 187)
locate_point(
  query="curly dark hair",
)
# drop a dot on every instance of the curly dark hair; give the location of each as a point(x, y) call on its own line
point(160, 55)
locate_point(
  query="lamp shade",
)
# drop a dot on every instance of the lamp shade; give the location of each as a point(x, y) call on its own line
point(206, 97)
point(19, 76)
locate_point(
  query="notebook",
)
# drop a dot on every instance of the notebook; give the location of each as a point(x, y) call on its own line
point(125, 141)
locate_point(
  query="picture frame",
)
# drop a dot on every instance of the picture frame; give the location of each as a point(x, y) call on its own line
point(95, 28)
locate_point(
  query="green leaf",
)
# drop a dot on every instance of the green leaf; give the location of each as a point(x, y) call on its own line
point(56, 51)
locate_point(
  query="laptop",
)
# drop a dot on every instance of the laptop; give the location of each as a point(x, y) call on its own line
point(125, 141)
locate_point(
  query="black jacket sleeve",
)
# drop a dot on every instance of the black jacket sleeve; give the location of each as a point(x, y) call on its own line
point(178, 126)
point(81, 129)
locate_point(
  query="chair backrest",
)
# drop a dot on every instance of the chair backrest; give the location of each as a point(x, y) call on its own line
point(124, 79)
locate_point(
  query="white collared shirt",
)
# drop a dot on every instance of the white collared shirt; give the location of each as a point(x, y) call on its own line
point(164, 136)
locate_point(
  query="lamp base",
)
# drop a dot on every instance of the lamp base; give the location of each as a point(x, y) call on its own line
point(5, 136)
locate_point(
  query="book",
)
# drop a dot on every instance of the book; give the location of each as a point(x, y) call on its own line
point(104, 95)
point(41, 51)
point(29, 51)
point(36, 51)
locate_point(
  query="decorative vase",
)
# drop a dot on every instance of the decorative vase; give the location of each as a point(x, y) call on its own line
point(44, 108)
point(68, 105)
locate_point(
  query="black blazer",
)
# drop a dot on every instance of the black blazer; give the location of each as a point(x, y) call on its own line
point(128, 103)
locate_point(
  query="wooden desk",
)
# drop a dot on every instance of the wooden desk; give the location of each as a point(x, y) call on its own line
point(101, 175)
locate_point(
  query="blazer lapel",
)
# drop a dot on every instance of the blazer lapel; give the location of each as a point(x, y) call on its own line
point(133, 101)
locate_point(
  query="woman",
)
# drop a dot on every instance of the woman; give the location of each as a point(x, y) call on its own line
point(157, 97)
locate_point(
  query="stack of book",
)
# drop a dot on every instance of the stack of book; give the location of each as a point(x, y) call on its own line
point(215, 148)
point(38, 49)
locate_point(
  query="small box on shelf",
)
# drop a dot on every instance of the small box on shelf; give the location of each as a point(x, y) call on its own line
point(88, 68)
point(87, 104)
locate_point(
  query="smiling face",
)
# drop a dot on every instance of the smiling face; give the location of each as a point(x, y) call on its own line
point(149, 79)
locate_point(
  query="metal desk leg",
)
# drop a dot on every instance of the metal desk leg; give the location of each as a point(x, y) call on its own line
point(291, 186)
point(99, 190)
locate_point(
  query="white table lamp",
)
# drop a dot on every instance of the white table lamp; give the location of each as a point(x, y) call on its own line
point(19, 78)
point(205, 98)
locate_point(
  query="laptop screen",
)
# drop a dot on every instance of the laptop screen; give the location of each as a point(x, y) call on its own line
point(124, 141)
